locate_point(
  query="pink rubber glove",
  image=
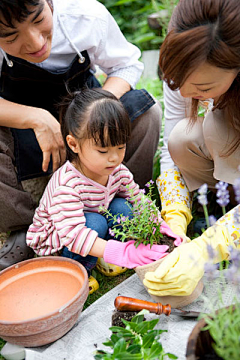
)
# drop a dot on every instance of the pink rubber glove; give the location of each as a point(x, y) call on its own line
point(127, 255)
point(165, 229)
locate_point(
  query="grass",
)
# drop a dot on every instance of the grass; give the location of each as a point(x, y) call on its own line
point(106, 283)
point(2, 342)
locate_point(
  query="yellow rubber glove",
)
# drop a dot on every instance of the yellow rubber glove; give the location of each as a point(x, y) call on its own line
point(176, 201)
point(181, 270)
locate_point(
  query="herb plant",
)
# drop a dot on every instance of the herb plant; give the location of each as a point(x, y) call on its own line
point(144, 224)
point(137, 341)
point(224, 327)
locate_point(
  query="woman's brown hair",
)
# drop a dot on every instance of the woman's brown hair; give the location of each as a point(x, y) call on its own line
point(205, 31)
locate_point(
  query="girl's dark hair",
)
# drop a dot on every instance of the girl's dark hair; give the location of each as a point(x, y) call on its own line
point(205, 31)
point(16, 10)
point(94, 114)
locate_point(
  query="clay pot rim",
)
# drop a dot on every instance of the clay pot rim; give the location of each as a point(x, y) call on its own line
point(62, 308)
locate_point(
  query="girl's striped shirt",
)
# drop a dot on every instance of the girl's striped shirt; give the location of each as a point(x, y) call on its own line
point(59, 219)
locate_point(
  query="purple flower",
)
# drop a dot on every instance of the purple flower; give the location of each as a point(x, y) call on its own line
point(212, 220)
point(211, 271)
point(202, 197)
point(118, 220)
point(232, 274)
point(236, 187)
point(236, 216)
point(222, 193)
point(211, 252)
point(149, 183)
point(235, 256)
point(111, 232)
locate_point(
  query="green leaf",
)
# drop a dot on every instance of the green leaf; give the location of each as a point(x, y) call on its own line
point(128, 356)
point(121, 2)
point(148, 340)
point(120, 346)
point(171, 356)
point(156, 350)
point(134, 349)
point(103, 356)
point(140, 316)
point(142, 328)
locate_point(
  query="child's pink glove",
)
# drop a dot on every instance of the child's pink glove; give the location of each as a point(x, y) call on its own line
point(127, 255)
point(165, 230)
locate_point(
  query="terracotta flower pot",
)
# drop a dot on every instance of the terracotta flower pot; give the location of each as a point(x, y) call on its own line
point(199, 346)
point(41, 299)
point(200, 343)
point(174, 301)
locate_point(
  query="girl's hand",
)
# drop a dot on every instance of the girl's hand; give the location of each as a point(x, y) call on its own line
point(127, 255)
point(165, 230)
point(48, 133)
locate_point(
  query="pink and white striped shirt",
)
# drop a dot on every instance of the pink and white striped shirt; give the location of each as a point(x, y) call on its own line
point(59, 219)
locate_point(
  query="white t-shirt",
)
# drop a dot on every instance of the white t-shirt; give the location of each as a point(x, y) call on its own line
point(87, 25)
point(176, 108)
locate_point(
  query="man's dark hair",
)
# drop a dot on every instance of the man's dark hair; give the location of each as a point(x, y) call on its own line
point(16, 10)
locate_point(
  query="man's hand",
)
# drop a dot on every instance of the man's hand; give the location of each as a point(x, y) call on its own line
point(49, 137)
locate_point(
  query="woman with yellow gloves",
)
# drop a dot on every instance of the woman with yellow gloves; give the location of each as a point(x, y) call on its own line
point(200, 61)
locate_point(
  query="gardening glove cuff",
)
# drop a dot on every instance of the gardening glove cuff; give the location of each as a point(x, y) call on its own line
point(181, 270)
point(177, 216)
point(175, 200)
point(173, 189)
point(127, 255)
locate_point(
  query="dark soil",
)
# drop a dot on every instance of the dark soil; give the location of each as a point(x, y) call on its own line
point(211, 356)
point(167, 240)
point(117, 317)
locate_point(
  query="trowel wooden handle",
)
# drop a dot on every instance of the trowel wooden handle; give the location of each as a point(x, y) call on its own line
point(124, 303)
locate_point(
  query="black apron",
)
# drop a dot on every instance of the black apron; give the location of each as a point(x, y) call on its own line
point(28, 84)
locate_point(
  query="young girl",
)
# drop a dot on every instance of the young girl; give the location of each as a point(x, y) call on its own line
point(95, 127)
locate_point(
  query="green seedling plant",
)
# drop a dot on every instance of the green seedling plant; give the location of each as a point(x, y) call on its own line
point(138, 340)
point(224, 324)
point(144, 224)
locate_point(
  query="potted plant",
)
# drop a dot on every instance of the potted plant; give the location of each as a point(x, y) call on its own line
point(137, 340)
point(145, 226)
point(217, 335)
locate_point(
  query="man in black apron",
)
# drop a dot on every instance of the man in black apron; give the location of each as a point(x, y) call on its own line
point(21, 154)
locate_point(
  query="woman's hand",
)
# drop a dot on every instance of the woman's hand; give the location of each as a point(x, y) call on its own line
point(181, 270)
point(48, 133)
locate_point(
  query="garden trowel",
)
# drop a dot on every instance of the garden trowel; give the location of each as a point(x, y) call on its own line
point(123, 303)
